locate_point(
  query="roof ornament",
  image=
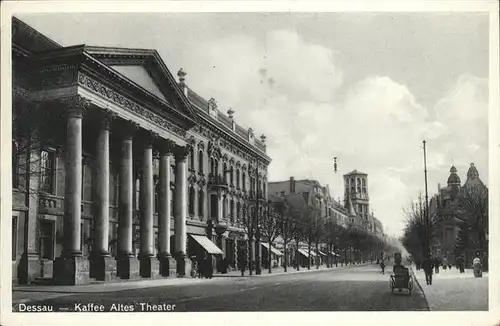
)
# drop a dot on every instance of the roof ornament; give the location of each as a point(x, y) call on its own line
point(182, 76)
point(230, 113)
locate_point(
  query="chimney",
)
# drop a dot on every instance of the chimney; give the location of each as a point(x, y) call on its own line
point(182, 81)
point(292, 185)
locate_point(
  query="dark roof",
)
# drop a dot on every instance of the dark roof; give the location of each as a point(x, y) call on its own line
point(30, 39)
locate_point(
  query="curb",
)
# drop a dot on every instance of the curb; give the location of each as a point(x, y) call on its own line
point(189, 282)
point(421, 289)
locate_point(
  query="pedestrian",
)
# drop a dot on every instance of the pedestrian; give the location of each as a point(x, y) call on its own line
point(242, 262)
point(436, 265)
point(382, 266)
point(477, 266)
point(428, 266)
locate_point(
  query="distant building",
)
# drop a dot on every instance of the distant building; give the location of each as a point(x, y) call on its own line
point(442, 210)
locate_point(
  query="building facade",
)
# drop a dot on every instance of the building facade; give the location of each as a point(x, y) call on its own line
point(443, 213)
point(119, 169)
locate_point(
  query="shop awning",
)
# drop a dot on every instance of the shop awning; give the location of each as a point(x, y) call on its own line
point(208, 245)
point(273, 250)
point(303, 252)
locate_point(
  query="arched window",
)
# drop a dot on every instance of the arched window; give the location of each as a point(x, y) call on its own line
point(191, 201)
point(200, 161)
point(238, 211)
point(201, 204)
point(238, 178)
point(232, 175)
point(244, 181)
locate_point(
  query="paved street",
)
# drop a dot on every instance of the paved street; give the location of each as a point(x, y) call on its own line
point(356, 288)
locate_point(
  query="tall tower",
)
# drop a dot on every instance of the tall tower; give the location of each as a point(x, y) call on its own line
point(356, 192)
point(454, 182)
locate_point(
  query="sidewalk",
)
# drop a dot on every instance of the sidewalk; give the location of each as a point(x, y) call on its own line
point(452, 291)
point(26, 293)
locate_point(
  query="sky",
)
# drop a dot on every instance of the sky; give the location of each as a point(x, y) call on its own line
point(366, 88)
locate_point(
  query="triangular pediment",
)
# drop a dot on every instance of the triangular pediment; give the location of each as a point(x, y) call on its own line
point(140, 76)
point(146, 69)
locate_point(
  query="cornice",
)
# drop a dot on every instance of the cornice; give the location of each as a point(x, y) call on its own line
point(99, 88)
point(229, 142)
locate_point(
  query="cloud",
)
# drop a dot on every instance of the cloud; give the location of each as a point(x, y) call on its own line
point(377, 126)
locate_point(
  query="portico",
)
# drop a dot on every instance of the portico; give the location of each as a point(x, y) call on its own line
point(124, 163)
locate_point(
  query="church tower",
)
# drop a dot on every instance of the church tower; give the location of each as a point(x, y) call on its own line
point(356, 194)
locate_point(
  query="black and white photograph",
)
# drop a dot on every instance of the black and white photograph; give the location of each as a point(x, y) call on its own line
point(249, 161)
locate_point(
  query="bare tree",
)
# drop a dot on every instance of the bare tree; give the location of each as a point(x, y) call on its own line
point(271, 224)
point(472, 211)
point(247, 221)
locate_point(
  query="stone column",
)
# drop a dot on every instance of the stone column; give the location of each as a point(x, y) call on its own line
point(127, 265)
point(29, 266)
point(149, 264)
point(102, 266)
point(183, 262)
point(167, 262)
point(71, 268)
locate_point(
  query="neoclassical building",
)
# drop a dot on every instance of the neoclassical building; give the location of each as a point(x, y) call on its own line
point(119, 169)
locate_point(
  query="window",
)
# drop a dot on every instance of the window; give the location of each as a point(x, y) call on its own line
point(213, 206)
point(233, 218)
point(238, 211)
point(87, 181)
point(172, 202)
point(200, 161)
point(14, 238)
point(46, 244)
point(191, 158)
point(232, 175)
point(201, 203)
point(191, 201)
point(244, 181)
point(224, 208)
point(47, 165)
point(363, 181)
point(15, 164)
point(306, 196)
point(225, 172)
point(282, 194)
point(359, 190)
point(238, 178)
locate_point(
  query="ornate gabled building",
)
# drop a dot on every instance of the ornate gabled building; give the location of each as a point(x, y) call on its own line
point(119, 169)
point(443, 213)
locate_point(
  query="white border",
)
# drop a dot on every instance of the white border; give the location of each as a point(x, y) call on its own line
point(363, 318)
